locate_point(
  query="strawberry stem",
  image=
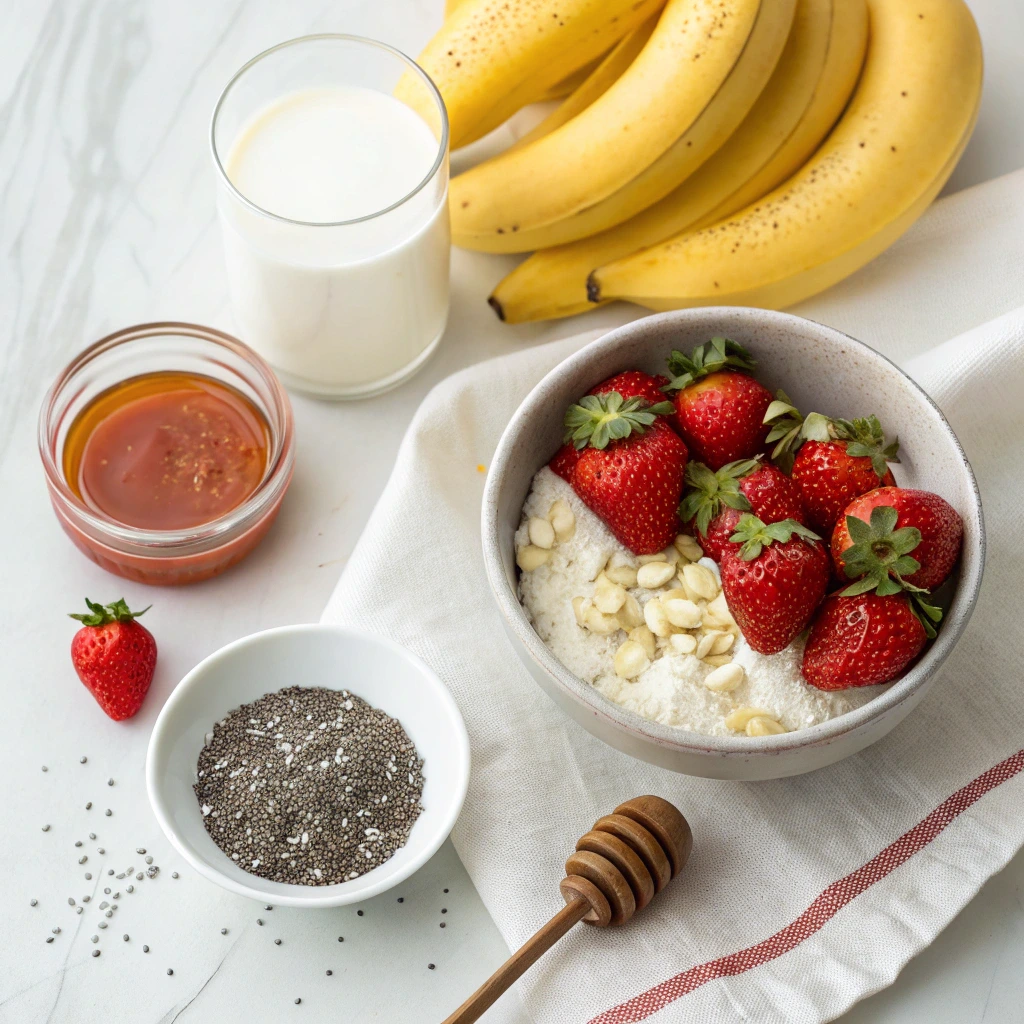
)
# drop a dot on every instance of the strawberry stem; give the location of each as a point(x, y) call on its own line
point(102, 614)
point(710, 491)
point(598, 419)
point(879, 558)
point(717, 354)
point(755, 535)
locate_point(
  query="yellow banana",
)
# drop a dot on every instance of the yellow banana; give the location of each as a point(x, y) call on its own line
point(887, 158)
point(682, 97)
point(565, 86)
point(596, 84)
point(488, 60)
point(813, 80)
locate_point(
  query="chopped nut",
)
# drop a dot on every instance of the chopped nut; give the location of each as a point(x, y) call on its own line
point(531, 557)
point(701, 580)
point(645, 638)
point(723, 642)
point(658, 556)
point(630, 615)
point(619, 558)
point(688, 547)
point(683, 643)
point(681, 613)
point(718, 615)
point(652, 575)
point(717, 660)
point(542, 533)
point(630, 660)
point(656, 619)
point(724, 679)
point(597, 622)
point(761, 725)
point(563, 519)
point(608, 597)
point(738, 719)
point(579, 605)
point(705, 643)
point(624, 575)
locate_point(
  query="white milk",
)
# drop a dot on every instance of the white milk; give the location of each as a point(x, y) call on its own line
point(348, 309)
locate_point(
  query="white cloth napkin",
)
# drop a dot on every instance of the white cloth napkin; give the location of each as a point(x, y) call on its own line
point(763, 852)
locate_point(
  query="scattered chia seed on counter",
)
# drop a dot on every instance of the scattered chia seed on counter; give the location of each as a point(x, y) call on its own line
point(309, 786)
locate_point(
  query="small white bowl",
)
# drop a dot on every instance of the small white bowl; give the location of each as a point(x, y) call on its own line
point(381, 672)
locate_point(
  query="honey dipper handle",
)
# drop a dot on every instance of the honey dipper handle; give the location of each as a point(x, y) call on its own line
point(519, 962)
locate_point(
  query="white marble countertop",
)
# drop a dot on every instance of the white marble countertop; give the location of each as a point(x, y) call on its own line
point(107, 219)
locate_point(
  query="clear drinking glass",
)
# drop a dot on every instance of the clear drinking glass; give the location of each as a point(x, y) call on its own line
point(343, 308)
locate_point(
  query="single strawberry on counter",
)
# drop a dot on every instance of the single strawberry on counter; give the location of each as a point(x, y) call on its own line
point(837, 460)
point(869, 632)
point(114, 657)
point(920, 521)
point(774, 576)
point(629, 384)
point(715, 500)
point(630, 468)
point(720, 408)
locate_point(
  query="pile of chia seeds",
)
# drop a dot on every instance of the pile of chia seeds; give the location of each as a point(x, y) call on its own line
point(309, 786)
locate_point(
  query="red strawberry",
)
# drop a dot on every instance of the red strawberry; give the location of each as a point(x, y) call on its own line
point(720, 408)
point(629, 384)
point(630, 468)
point(774, 575)
point(838, 461)
point(918, 521)
point(114, 657)
point(715, 501)
point(861, 640)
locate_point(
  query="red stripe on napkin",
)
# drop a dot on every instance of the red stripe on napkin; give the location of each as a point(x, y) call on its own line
point(823, 909)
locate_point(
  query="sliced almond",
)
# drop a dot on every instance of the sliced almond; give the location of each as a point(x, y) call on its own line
point(597, 622)
point(681, 613)
point(608, 596)
point(705, 643)
point(623, 575)
point(656, 619)
point(542, 533)
point(701, 580)
point(724, 679)
point(530, 557)
point(723, 642)
point(762, 725)
point(688, 547)
point(718, 615)
point(717, 660)
point(630, 614)
point(683, 643)
point(658, 556)
point(645, 638)
point(738, 719)
point(563, 520)
point(630, 660)
point(579, 606)
point(652, 575)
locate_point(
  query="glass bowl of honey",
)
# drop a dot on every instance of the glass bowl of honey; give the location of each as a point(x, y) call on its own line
point(167, 448)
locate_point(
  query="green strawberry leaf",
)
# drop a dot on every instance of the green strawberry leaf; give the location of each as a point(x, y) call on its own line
point(597, 420)
point(717, 354)
point(753, 535)
point(101, 615)
point(708, 491)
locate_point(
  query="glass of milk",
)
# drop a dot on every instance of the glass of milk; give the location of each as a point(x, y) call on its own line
point(333, 205)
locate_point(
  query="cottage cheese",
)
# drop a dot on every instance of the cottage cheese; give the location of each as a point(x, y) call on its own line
point(671, 690)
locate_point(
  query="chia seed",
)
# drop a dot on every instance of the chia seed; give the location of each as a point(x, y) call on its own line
point(145, 949)
point(309, 786)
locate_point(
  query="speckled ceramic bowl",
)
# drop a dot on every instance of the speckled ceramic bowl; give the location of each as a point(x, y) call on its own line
point(819, 368)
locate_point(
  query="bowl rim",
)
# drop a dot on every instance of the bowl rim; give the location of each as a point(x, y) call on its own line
point(683, 740)
point(306, 896)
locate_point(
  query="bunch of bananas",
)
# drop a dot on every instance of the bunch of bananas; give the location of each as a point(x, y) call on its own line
point(705, 152)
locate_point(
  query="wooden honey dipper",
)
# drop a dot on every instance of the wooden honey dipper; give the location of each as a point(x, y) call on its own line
point(618, 867)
